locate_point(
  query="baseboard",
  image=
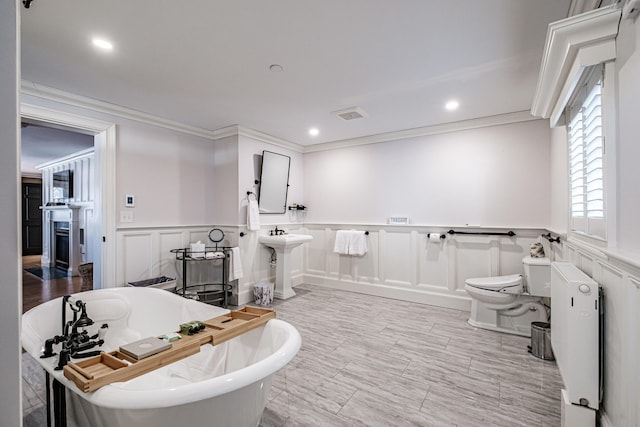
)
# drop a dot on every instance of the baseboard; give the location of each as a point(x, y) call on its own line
point(246, 296)
point(410, 295)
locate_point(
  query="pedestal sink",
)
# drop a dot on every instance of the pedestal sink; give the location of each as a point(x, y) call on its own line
point(283, 245)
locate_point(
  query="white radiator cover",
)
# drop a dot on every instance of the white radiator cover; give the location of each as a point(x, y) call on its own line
point(575, 332)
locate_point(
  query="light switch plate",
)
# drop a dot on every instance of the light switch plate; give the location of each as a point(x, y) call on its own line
point(129, 201)
point(126, 216)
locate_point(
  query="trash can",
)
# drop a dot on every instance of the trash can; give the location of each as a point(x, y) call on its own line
point(162, 282)
point(541, 341)
point(263, 293)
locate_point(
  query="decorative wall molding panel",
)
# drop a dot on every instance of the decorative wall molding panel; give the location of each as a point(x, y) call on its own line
point(619, 280)
point(145, 253)
point(403, 263)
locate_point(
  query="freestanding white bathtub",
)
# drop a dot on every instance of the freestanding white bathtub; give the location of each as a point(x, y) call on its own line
point(223, 385)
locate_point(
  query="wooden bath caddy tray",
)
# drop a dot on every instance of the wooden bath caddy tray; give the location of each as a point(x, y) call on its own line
point(93, 373)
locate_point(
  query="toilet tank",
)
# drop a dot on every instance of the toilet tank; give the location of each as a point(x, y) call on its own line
point(537, 274)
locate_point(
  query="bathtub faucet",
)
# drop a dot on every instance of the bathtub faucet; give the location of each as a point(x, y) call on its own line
point(75, 339)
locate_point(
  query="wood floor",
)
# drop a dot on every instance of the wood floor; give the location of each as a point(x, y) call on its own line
point(371, 361)
point(35, 291)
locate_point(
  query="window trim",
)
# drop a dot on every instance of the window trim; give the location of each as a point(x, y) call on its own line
point(585, 224)
point(572, 45)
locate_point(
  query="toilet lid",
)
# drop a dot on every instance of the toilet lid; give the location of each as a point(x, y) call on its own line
point(496, 283)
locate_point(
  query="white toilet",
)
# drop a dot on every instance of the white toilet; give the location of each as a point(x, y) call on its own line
point(510, 303)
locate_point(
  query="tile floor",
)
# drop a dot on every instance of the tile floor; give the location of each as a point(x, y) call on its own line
point(370, 361)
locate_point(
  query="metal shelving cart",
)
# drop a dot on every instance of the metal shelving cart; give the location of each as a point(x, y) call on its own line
point(211, 293)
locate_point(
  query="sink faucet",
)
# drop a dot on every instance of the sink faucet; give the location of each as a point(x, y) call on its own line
point(276, 232)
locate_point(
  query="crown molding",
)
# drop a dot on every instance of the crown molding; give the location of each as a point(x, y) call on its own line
point(497, 120)
point(87, 152)
point(52, 94)
point(56, 95)
point(239, 130)
point(592, 33)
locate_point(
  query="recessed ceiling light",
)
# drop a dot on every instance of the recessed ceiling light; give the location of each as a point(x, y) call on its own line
point(314, 132)
point(276, 68)
point(452, 105)
point(102, 43)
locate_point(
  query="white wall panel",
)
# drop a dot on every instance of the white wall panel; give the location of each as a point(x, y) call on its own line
point(137, 256)
point(397, 258)
point(433, 262)
point(168, 265)
point(317, 251)
point(145, 253)
point(367, 267)
point(488, 177)
point(511, 251)
point(472, 258)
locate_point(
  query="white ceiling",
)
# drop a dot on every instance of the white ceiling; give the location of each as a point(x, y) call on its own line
point(206, 63)
point(43, 144)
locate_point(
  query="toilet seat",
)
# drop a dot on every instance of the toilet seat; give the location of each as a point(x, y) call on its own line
point(492, 298)
point(512, 284)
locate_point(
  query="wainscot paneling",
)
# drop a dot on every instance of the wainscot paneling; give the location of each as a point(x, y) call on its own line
point(145, 253)
point(618, 278)
point(402, 262)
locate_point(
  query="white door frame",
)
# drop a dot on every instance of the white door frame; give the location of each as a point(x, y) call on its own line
point(105, 154)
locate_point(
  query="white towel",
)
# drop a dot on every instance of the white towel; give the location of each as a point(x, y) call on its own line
point(253, 214)
point(341, 245)
point(357, 243)
point(235, 265)
point(350, 242)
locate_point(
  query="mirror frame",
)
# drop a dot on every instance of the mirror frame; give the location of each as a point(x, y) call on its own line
point(274, 183)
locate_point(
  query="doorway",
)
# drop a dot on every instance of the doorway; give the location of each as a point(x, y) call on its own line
point(102, 222)
point(48, 154)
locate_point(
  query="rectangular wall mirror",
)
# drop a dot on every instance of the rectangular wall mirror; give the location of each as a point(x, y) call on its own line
point(274, 183)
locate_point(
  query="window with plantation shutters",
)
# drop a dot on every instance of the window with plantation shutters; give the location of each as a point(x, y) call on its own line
point(586, 156)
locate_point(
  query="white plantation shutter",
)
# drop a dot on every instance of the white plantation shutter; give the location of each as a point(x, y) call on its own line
point(586, 157)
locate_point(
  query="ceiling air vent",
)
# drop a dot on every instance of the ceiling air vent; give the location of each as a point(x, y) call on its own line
point(350, 113)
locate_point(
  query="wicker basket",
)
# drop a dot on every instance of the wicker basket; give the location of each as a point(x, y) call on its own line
point(86, 273)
